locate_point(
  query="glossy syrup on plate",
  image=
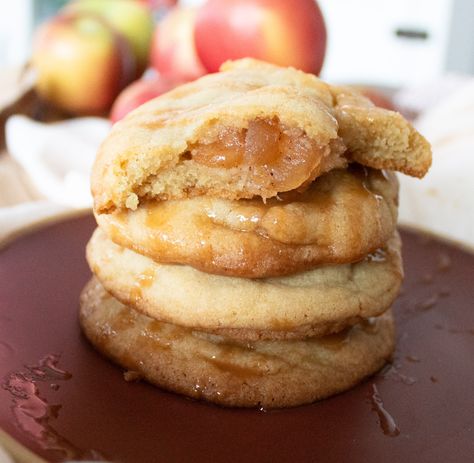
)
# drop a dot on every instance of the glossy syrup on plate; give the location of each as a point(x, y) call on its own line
point(170, 428)
point(386, 420)
point(34, 415)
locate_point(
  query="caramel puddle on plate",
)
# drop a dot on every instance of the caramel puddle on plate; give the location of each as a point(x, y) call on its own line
point(386, 421)
point(33, 414)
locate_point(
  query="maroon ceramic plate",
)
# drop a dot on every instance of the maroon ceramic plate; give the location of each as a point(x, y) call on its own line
point(61, 399)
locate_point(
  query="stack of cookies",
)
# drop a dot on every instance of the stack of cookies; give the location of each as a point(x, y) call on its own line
point(247, 251)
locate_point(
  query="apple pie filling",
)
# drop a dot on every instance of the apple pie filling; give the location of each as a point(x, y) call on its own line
point(272, 153)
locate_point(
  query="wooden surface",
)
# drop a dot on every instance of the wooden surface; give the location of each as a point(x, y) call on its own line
point(16, 97)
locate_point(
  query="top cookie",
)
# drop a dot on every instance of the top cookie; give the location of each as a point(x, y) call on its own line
point(253, 129)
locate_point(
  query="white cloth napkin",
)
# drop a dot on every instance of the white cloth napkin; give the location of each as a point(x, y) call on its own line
point(57, 159)
point(4, 457)
point(443, 201)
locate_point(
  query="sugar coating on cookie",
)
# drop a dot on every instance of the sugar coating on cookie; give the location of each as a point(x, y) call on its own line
point(253, 129)
point(214, 368)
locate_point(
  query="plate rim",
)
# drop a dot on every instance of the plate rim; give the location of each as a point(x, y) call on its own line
point(19, 452)
point(16, 450)
point(43, 222)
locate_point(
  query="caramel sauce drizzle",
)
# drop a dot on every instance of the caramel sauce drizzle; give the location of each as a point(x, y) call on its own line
point(143, 280)
point(272, 219)
point(386, 421)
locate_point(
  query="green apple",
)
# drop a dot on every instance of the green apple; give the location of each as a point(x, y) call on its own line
point(132, 19)
point(81, 63)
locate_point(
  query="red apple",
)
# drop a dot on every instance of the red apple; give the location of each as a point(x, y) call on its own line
point(173, 52)
point(137, 93)
point(82, 64)
point(288, 33)
point(377, 97)
point(159, 4)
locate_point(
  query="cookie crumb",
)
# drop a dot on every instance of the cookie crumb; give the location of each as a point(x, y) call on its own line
point(131, 375)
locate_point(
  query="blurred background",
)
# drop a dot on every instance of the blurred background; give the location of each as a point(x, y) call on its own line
point(70, 69)
point(388, 43)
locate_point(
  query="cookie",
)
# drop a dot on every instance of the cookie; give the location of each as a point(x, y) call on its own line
point(304, 304)
point(205, 366)
point(254, 129)
point(233, 135)
point(374, 136)
point(377, 137)
point(342, 217)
